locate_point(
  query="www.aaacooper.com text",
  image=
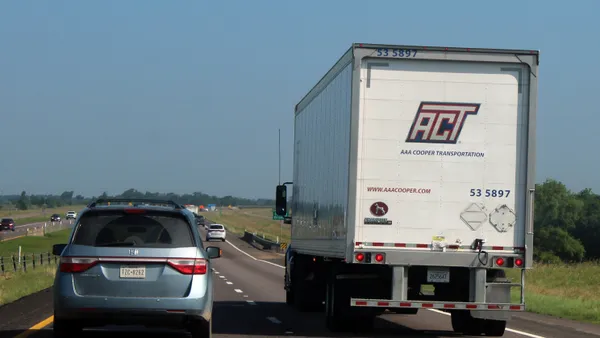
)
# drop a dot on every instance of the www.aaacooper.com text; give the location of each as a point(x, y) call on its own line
point(400, 190)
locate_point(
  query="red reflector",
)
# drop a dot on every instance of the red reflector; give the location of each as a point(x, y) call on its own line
point(379, 257)
point(189, 266)
point(497, 248)
point(400, 245)
point(176, 311)
point(427, 305)
point(361, 303)
point(134, 211)
point(453, 247)
point(360, 257)
point(449, 306)
point(471, 306)
point(422, 245)
point(383, 303)
point(518, 262)
point(515, 307)
point(377, 244)
point(404, 304)
point(76, 264)
point(358, 243)
point(493, 307)
point(500, 261)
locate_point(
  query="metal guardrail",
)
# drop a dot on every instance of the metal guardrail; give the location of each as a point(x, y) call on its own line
point(254, 238)
point(266, 243)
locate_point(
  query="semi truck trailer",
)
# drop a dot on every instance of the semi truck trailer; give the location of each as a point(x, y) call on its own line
point(413, 186)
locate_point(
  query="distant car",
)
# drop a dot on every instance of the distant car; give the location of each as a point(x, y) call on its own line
point(71, 215)
point(55, 218)
point(134, 265)
point(216, 231)
point(7, 224)
point(200, 220)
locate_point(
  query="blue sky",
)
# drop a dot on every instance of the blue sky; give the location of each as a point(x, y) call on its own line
point(187, 96)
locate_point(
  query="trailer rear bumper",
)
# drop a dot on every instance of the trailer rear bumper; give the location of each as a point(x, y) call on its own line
point(386, 303)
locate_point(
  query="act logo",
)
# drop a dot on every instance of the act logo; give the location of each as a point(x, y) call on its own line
point(438, 122)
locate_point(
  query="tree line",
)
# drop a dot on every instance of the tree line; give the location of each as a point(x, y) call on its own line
point(26, 201)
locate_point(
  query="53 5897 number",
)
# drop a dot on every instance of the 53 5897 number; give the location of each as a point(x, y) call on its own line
point(490, 192)
point(397, 53)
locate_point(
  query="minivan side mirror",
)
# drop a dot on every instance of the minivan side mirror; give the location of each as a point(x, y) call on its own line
point(281, 200)
point(57, 249)
point(213, 252)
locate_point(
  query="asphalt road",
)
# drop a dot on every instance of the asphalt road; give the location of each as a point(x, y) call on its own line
point(21, 230)
point(250, 302)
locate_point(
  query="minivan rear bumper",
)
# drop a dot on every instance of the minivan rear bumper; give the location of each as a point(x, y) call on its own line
point(90, 317)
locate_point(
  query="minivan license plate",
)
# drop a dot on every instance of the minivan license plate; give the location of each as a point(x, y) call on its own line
point(138, 272)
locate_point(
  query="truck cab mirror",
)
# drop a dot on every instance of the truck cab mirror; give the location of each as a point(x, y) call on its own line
point(281, 200)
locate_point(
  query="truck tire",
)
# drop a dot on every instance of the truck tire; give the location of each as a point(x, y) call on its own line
point(289, 297)
point(494, 328)
point(338, 313)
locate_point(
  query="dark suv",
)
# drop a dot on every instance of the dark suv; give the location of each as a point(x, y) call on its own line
point(55, 218)
point(7, 224)
point(199, 219)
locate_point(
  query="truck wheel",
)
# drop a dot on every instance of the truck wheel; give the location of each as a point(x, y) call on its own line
point(463, 322)
point(338, 313)
point(494, 328)
point(289, 297)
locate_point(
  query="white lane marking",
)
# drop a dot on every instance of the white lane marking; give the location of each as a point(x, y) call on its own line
point(221, 276)
point(245, 296)
point(251, 302)
point(526, 334)
point(274, 320)
point(229, 283)
point(256, 259)
point(217, 273)
point(238, 290)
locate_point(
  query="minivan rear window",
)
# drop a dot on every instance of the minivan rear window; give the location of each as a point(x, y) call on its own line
point(216, 227)
point(151, 230)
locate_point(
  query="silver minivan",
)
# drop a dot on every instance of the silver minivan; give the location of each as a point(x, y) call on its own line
point(134, 262)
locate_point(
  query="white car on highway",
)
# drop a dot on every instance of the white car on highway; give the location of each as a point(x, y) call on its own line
point(216, 231)
point(71, 215)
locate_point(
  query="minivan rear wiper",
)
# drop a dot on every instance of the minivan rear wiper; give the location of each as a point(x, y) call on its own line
point(118, 244)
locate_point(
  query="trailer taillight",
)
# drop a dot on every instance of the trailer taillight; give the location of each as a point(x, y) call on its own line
point(500, 261)
point(360, 257)
point(519, 262)
point(379, 258)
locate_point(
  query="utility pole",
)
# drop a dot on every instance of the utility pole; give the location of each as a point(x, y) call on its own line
point(279, 148)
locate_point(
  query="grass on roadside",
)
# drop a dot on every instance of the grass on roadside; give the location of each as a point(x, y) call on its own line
point(15, 285)
point(567, 291)
point(252, 220)
point(34, 244)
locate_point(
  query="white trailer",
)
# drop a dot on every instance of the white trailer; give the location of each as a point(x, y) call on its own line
point(192, 208)
point(414, 166)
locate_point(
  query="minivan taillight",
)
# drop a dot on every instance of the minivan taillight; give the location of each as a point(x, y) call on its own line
point(196, 266)
point(76, 264)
